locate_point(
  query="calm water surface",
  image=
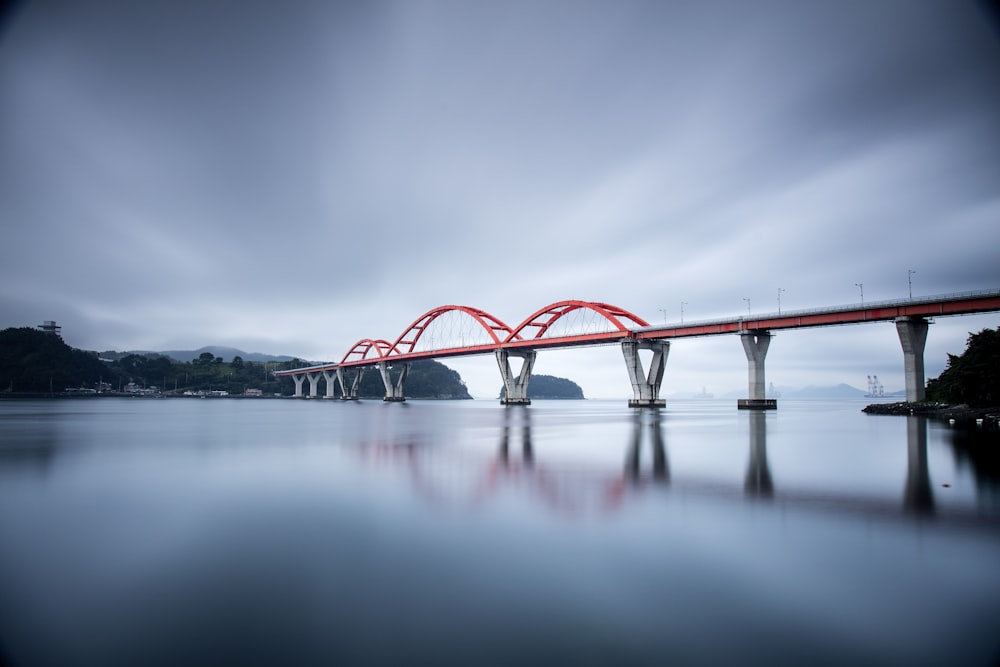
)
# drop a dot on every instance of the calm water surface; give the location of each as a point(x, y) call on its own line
point(281, 532)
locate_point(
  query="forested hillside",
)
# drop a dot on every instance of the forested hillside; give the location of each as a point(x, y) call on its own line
point(32, 361)
point(972, 378)
point(35, 361)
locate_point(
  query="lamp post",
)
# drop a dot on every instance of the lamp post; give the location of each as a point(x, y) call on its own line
point(747, 299)
point(909, 281)
point(664, 311)
point(780, 290)
point(683, 303)
point(861, 286)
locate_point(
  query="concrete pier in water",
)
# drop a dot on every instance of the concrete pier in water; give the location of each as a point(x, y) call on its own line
point(755, 344)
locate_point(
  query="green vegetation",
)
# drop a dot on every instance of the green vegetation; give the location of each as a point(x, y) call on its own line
point(548, 386)
point(33, 361)
point(426, 379)
point(206, 373)
point(972, 378)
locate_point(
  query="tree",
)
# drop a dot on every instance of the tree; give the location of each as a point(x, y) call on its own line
point(973, 378)
point(32, 360)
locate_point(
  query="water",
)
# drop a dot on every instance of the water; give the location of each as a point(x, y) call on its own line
point(278, 532)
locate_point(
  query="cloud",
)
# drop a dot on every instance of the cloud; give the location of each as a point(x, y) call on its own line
point(294, 178)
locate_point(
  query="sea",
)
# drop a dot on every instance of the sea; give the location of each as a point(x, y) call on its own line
point(223, 531)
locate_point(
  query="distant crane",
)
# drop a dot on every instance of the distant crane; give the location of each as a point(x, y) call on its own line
point(875, 387)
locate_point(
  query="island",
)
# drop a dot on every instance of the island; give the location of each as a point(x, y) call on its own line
point(551, 387)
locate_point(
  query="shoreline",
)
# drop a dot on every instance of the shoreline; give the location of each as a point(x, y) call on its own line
point(958, 414)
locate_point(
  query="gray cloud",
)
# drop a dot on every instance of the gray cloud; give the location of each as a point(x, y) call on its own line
point(293, 178)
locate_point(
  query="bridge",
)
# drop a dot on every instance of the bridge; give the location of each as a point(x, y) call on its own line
point(453, 331)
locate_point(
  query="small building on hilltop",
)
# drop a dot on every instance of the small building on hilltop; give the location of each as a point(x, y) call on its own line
point(50, 327)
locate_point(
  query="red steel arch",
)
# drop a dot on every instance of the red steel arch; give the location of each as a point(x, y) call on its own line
point(409, 338)
point(542, 319)
point(361, 349)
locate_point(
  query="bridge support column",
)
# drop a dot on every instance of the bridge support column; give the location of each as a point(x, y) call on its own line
point(755, 344)
point(298, 380)
point(646, 386)
point(329, 376)
point(515, 389)
point(350, 394)
point(393, 390)
point(313, 384)
point(913, 335)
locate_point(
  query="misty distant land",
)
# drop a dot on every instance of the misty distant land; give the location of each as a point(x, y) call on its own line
point(227, 354)
point(841, 390)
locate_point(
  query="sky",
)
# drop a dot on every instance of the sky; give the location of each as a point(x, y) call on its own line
point(289, 178)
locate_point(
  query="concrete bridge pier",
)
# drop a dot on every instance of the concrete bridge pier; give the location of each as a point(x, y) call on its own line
point(298, 380)
point(913, 335)
point(329, 376)
point(755, 344)
point(515, 389)
point(313, 383)
point(646, 385)
point(393, 390)
point(350, 394)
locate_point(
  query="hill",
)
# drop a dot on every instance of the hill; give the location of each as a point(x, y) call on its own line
point(551, 387)
point(32, 361)
point(426, 379)
point(837, 391)
point(832, 391)
point(35, 361)
point(227, 354)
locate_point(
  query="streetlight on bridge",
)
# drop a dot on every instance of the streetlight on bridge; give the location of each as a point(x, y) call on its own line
point(780, 290)
point(683, 303)
point(909, 281)
point(861, 286)
point(747, 299)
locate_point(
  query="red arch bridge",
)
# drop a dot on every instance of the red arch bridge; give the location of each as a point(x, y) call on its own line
point(453, 331)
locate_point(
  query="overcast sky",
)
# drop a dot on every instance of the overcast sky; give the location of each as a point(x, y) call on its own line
point(291, 177)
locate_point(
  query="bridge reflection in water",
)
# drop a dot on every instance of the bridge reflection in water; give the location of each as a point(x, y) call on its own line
point(458, 476)
point(758, 478)
point(919, 496)
point(647, 426)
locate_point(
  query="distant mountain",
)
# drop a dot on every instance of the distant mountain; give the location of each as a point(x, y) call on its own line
point(834, 391)
point(227, 354)
point(837, 391)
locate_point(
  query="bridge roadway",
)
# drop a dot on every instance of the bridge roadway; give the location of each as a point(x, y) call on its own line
point(541, 331)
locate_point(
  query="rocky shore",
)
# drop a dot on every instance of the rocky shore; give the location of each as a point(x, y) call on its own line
point(984, 417)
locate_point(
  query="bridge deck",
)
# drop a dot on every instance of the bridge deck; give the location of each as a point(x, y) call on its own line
point(937, 306)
